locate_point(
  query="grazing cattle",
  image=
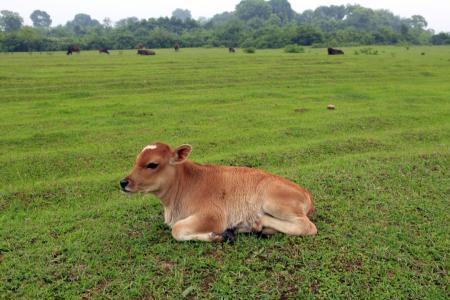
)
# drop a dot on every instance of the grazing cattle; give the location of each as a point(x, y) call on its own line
point(103, 50)
point(210, 202)
point(140, 46)
point(176, 47)
point(73, 48)
point(332, 51)
point(145, 52)
point(231, 50)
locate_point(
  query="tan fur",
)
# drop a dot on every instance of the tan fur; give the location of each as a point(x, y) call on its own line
point(202, 201)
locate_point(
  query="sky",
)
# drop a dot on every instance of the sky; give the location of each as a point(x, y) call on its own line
point(436, 12)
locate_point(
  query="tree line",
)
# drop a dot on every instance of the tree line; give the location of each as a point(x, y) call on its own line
point(253, 23)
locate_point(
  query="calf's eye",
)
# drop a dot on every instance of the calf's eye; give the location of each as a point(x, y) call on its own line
point(152, 166)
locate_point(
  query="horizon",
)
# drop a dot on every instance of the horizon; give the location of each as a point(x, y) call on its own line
point(61, 13)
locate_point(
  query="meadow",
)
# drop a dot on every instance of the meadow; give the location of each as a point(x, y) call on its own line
point(378, 167)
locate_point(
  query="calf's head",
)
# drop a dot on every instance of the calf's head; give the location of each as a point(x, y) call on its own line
point(155, 168)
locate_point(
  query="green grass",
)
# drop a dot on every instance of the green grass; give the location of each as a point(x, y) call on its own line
point(378, 167)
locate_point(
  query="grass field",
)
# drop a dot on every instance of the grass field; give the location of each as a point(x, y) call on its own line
point(378, 167)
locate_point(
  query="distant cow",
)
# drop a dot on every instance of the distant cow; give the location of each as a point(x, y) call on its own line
point(73, 48)
point(140, 46)
point(145, 52)
point(103, 50)
point(332, 51)
point(231, 50)
point(176, 47)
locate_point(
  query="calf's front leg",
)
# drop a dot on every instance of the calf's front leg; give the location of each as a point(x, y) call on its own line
point(202, 228)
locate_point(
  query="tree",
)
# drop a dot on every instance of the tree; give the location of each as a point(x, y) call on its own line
point(182, 14)
point(10, 21)
point(196, 38)
point(81, 23)
point(282, 8)
point(331, 12)
point(386, 19)
point(417, 32)
point(124, 40)
point(441, 39)
point(107, 23)
point(12, 42)
point(84, 20)
point(41, 19)
point(307, 35)
point(386, 36)
point(127, 22)
point(220, 19)
point(361, 18)
point(248, 9)
point(307, 17)
point(202, 20)
point(230, 33)
point(271, 34)
point(417, 22)
point(161, 38)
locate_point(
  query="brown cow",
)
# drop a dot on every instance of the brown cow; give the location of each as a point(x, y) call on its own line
point(103, 50)
point(73, 48)
point(332, 51)
point(145, 52)
point(205, 202)
point(176, 47)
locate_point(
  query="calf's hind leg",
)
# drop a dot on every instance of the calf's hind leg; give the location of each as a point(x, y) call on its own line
point(286, 211)
point(294, 226)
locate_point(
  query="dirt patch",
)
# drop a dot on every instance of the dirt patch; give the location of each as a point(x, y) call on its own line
point(205, 285)
point(147, 295)
point(4, 206)
point(301, 110)
point(100, 287)
point(314, 287)
point(289, 293)
point(76, 272)
point(353, 265)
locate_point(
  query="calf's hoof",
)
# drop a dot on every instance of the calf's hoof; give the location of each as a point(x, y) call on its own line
point(229, 235)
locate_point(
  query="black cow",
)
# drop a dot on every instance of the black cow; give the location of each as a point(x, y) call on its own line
point(145, 52)
point(176, 47)
point(73, 48)
point(231, 50)
point(332, 51)
point(103, 50)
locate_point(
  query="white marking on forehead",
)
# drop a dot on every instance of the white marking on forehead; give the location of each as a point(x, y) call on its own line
point(151, 147)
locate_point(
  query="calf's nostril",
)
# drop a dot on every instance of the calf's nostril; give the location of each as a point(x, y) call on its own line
point(123, 183)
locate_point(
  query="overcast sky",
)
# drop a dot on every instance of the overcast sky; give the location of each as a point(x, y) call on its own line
point(437, 12)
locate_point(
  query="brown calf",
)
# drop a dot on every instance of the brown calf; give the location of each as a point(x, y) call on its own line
point(203, 202)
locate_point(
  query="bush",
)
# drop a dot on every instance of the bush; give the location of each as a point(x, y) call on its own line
point(294, 49)
point(250, 50)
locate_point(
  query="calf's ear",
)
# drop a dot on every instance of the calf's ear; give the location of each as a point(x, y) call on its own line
point(181, 154)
